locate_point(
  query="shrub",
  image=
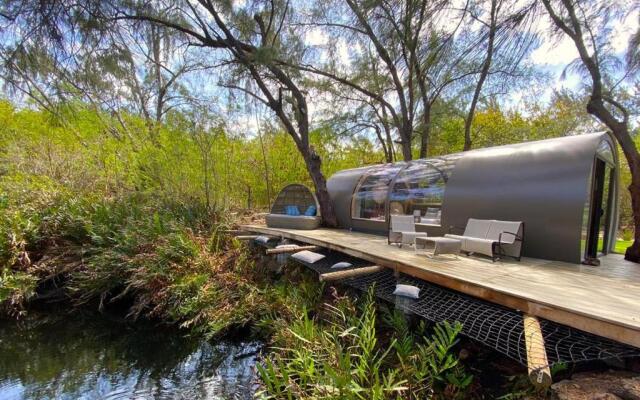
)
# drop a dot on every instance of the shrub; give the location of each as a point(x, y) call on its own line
point(341, 356)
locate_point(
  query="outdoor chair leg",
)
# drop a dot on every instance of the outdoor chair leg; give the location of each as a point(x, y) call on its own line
point(496, 253)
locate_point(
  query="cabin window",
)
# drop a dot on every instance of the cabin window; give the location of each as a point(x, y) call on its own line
point(419, 189)
point(370, 197)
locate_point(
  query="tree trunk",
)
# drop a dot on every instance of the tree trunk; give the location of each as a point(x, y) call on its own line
point(314, 163)
point(633, 252)
point(620, 130)
point(383, 143)
point(472, 110)
point(404, 132)
point(157, 61)
point(573, 27)
point(406, 147)
point(483, 76)
point(265, 163)
point(387, 132)
point(426, 131)
point(392, 153)
point(633, 160)
point(207, 186)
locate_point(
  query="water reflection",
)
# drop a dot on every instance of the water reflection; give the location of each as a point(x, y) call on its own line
point(91, 358)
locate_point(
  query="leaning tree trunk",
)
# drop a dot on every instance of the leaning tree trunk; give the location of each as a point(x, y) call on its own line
point(633, 159)
point(313, 163)
point(620, 129)
point(483, 76)
point(572, 26)
point(633, 252)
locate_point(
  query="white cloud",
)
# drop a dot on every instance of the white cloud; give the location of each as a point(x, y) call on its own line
point(622, 32)
point(316, 37)
point(554, 52)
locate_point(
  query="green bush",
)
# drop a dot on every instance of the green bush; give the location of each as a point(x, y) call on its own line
point(341, 356)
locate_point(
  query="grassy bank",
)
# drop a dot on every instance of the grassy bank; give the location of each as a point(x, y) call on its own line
point(166, 261)
point(171, 263)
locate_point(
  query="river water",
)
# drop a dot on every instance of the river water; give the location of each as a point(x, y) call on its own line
point(94, 357)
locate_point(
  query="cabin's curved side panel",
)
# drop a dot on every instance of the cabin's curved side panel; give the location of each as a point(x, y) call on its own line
point(544, 184)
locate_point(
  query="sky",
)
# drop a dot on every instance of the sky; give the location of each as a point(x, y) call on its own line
point(551, 57)
point(554, 55)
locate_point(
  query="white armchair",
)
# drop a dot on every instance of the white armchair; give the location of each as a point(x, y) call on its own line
point(403, 230)
point(493, 238)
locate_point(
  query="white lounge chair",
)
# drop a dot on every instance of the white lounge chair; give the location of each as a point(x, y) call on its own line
point(403, 230)
point(493, 238)
point(431, 217)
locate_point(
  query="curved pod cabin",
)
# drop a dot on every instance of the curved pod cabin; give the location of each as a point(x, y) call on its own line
point(563, 189)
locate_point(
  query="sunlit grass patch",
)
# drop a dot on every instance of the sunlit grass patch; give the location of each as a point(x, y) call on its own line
point(622, 245)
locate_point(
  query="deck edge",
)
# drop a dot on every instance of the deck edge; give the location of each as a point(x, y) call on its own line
point(575, 319)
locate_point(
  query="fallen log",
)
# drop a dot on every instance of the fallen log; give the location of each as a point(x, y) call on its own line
point(351, 273)
point(290, 249)
point(537, 363)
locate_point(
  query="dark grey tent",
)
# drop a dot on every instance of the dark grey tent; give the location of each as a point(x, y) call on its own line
point(563, 189)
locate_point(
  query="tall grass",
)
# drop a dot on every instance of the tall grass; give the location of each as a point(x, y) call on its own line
point(161, 260)
point(339, 354)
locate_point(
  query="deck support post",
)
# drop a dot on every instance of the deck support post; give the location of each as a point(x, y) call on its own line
point(537, 363)
point(290, 249)
point(351, 273)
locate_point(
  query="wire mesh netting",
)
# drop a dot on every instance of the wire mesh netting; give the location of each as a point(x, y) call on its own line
point(497, 327)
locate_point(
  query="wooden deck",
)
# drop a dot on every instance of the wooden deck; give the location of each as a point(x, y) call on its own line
point(603, 300)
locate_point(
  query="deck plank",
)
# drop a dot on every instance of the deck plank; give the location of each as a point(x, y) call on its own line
point(603, 300)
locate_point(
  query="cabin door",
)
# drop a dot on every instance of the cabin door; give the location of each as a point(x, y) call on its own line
point(599, 219)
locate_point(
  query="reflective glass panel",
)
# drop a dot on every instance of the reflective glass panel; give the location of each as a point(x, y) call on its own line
point(371, 195)
point(419, 189)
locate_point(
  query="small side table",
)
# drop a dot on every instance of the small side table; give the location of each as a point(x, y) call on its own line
point(441, 245)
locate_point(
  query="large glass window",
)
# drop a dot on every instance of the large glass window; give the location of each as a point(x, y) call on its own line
point(419, 189)
point(371, 195)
